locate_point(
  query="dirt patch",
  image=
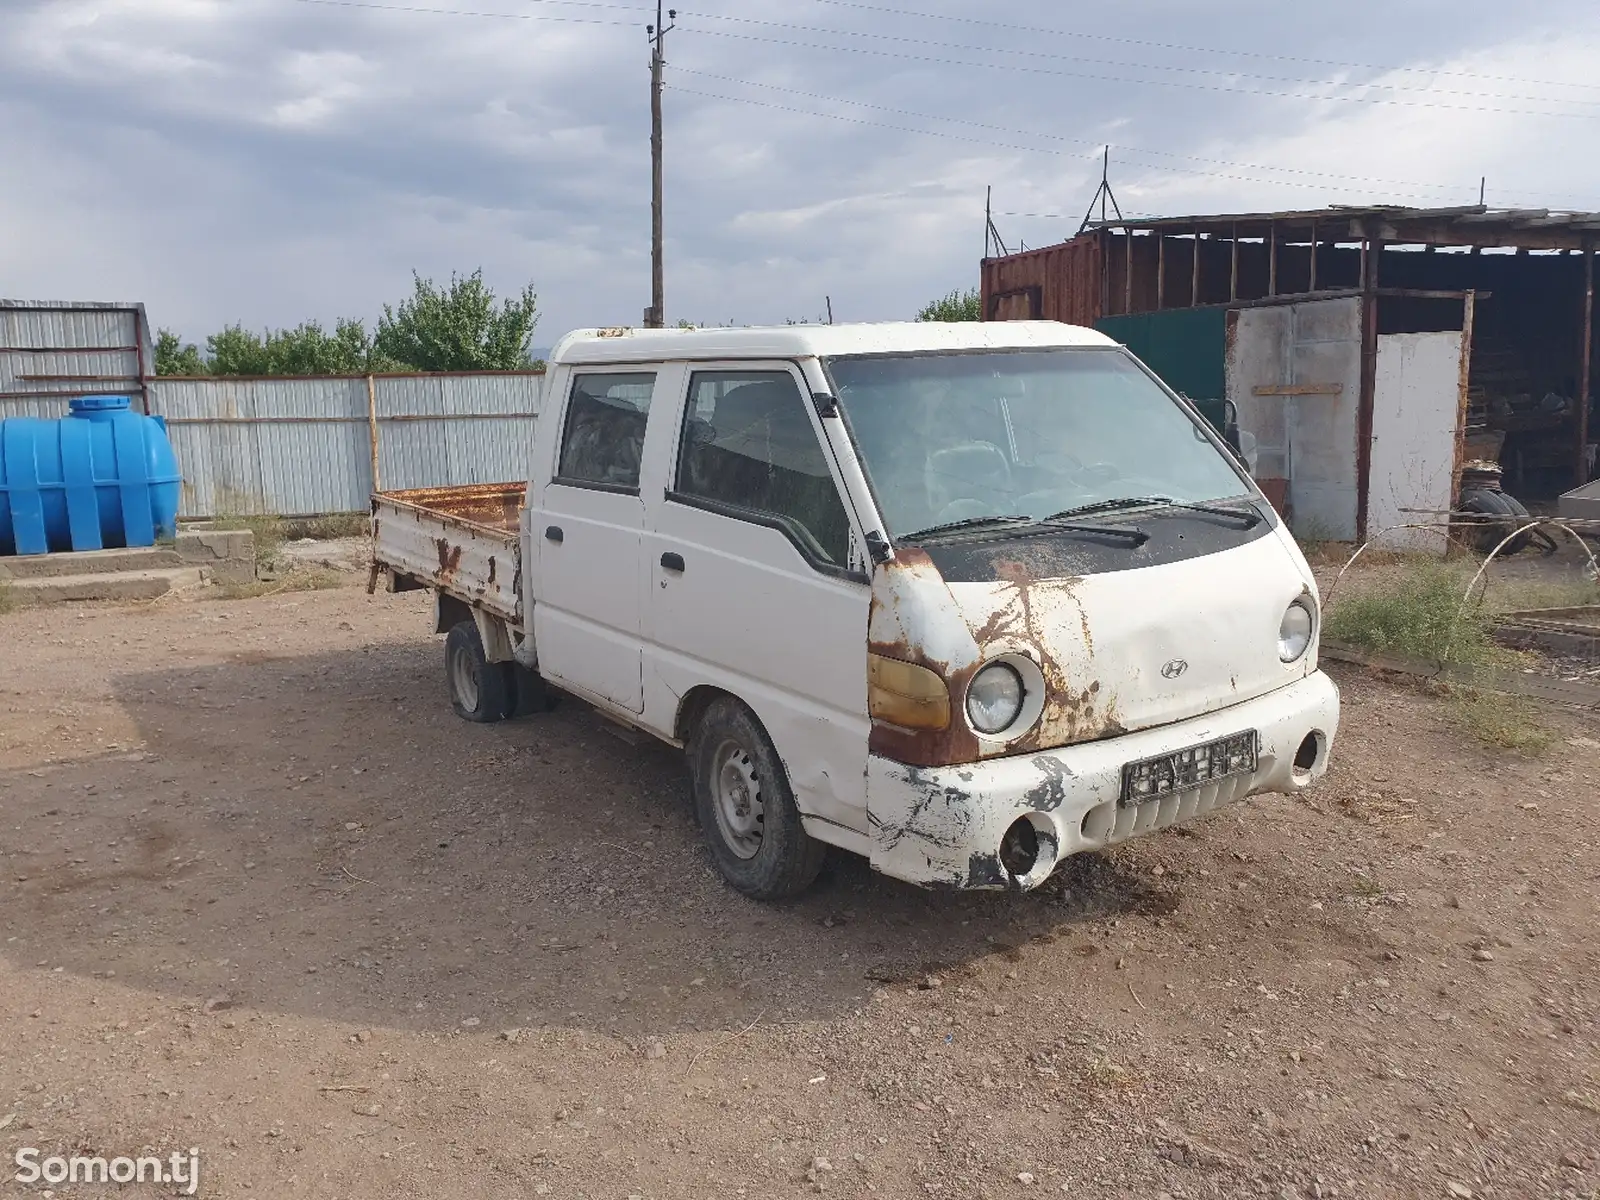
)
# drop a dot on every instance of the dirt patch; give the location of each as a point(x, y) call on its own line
point(262, 894)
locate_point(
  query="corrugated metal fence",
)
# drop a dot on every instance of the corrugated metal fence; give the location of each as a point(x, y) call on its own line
point(298, 446)
point(286, 446)
point(51, 351)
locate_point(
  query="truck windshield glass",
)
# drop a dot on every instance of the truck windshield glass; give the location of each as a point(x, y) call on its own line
point(948, 438)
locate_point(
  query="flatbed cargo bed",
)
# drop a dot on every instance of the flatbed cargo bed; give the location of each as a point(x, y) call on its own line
point(462, 540)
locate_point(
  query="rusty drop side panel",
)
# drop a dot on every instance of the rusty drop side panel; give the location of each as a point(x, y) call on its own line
point(463, 540)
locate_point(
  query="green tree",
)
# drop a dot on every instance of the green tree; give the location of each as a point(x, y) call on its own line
point(307, 349)
point(175, 357)
point(458, 328)
point(957, 306)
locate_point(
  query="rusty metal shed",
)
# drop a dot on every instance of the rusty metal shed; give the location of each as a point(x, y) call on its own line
point(1516, 286)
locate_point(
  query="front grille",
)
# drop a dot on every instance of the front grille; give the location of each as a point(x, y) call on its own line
point(1177, 807)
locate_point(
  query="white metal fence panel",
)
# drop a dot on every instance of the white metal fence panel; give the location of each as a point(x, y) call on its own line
point(299, 446)
point(52, 351)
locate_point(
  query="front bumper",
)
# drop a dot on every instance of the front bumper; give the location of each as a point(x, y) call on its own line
point(943, 826)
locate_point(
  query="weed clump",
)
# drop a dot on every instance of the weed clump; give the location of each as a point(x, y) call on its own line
point(1418, 614)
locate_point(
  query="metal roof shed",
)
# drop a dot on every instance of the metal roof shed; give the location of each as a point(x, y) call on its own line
point(1528, 377)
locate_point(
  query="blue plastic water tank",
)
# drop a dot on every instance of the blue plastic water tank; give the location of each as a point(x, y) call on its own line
point(100, 477)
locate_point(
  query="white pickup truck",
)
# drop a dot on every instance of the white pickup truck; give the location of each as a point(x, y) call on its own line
point(964, 599)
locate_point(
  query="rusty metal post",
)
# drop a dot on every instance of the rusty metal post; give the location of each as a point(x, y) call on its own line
point(1233, 267)
point(1312, 285)
point(1369, 381)
point(138, 341)
point(1103, 245)
point(1194, 279)
point(372, 431)
point(1127, 271)
point(1161, 269)
point(1272, 258)
point(1585, 364)
point(1469, 305)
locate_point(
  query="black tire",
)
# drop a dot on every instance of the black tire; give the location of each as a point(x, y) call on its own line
point(480, 691)
point(775, 858)
point(1500, 519)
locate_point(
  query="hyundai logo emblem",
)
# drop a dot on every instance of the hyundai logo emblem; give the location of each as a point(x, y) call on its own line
point(1171, 670)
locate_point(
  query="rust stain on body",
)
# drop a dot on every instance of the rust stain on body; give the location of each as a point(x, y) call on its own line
point(449, 559)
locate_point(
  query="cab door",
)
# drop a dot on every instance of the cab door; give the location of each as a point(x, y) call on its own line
point(757, 585)
point(588, 528)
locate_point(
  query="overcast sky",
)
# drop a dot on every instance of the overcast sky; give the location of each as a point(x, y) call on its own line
point(268, 161)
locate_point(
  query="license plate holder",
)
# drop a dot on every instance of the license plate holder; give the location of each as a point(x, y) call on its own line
point(1192, 767)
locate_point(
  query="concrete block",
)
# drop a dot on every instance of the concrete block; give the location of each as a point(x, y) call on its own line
point(228, 555)
point(91, 562)
point(110, 585)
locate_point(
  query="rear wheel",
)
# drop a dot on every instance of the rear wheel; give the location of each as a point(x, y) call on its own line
point(480, 690)
point(746, 808)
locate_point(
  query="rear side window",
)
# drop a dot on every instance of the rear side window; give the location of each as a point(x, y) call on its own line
point(749, 449)
point(604, 438)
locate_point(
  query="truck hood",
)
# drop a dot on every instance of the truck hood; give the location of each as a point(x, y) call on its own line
point(1118, 650)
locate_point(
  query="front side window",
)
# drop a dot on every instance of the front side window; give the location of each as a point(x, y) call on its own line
point(748, 447)
point(1021, 435)
point(604, 438)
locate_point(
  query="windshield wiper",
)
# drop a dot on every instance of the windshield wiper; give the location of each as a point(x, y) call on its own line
point(966, 523)
point(1249, 516)
point(1137, 536)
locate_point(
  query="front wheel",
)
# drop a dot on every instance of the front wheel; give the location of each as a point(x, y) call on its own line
point(480, 691)
point(746, 808)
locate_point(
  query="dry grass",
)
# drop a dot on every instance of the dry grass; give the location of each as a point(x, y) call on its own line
point(310, 579)
point(272, 532)
point(1417, 613)
point(8, 598)
point(1501, 722)
point(1512, 595)
point(326, 528)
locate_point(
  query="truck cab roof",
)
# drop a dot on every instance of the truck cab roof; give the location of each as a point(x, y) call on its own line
point(628, 345)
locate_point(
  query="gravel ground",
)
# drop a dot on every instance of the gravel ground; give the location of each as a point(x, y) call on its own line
point(263, 895)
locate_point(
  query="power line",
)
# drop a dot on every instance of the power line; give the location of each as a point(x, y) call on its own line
point(1016, 68)
point(1124, 149)
point(1127, 41)
point(1080, 34)
point(1124, 41)
point(458, 12)
point(1012, 67)
point(1109, 62)
point(1004, 145)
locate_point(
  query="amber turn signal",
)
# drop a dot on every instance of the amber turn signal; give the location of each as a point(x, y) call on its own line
point(906, 695)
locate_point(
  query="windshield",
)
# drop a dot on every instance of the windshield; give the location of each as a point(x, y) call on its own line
point(1029, 434)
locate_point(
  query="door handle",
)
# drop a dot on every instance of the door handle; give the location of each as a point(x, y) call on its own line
point(672, 561)
point(552, 533)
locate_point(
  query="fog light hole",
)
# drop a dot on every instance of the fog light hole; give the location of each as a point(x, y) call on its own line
point(1305, 758)
point(1019, 848)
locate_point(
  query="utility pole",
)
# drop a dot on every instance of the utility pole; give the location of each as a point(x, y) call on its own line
point(655, 315)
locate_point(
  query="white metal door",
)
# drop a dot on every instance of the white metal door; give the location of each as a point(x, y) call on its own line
point(742, 600)
point(1415, 411)
point(588, 527)
point(1294, 374)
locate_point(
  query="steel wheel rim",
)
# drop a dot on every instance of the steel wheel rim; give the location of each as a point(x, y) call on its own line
point(736, 797)
point(464, 679)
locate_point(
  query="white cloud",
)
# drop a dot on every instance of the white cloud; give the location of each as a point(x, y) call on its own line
point(271, 160)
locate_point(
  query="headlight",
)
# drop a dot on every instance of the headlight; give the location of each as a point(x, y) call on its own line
point(994, 698)
point(1294, 632)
